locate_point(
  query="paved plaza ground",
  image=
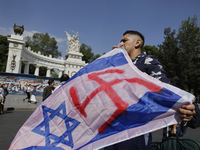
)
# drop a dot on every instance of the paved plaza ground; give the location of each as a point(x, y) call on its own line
point(16, 101)
point(11, 121)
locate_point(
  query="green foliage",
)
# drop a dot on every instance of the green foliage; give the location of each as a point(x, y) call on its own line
point(54, 74)
point(169, 52)
point(3, 53)
point(189, 40)
point(88, 56)
point(151, 50)
point(44, 43)
point(95, 57)
point(87, 53)
point(180, 55)
point(42, 71)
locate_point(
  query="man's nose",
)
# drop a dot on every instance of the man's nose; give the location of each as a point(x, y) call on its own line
point(122, 43)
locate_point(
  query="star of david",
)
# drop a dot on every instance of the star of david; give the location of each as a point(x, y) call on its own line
point(70, 123)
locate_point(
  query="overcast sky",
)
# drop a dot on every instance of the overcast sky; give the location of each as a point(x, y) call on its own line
point(100, 23)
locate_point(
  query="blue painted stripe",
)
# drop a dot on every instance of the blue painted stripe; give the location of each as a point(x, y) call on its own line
point(149, 106)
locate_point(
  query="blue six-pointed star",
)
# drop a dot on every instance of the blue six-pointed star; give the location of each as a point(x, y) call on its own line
point(46, 133)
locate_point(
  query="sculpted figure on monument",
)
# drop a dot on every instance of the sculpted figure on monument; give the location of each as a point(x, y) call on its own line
point(74, 44)
point(18, 29)
point(13, 63)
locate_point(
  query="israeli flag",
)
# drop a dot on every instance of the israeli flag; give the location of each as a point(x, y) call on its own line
point(106, 102)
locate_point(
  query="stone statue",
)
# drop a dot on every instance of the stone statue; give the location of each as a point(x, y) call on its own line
point(18, 29)
point(13, 63)
point(74, 44)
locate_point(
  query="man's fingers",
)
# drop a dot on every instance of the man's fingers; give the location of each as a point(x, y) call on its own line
point(187, 112)
point(185, 118)
point(189, 107)
point(115, 46)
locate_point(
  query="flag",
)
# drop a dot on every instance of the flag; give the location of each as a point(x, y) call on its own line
point(106, 102)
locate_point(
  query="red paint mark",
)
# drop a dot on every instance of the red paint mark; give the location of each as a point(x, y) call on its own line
point(107, 88)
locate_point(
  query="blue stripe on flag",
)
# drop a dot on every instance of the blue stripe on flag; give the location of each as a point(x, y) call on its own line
point(149, 106)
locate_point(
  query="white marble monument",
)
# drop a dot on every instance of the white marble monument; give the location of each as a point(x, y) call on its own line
point(18, 53)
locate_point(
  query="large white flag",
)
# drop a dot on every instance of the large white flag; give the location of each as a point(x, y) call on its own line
point(106, 102)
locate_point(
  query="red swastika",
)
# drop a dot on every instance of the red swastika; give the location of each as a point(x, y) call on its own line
point(107, 88)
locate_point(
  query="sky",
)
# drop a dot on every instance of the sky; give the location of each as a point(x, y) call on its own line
point(100, 23)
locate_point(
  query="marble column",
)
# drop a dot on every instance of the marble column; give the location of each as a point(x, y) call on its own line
point(26, 69)
point(37, 70)
point(20, 66)
point(60, 73)
point(48, 72)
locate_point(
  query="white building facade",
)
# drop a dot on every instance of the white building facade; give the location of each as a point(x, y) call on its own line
point(18, 53)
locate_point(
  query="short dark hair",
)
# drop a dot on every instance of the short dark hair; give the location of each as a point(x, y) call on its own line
point(64, 77)
point(50, 81)
point(135, 33)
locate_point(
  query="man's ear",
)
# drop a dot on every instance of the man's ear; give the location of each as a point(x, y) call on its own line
point(138, 43)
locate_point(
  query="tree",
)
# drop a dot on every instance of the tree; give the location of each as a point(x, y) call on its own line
point(46, 45)
point(54, 74)
point(169, 55)
point(169, 52)
point(3, 53)
point(180, 55)
point(189, 40)
point(95, 57)
point(151, 50)
point(87, 53)
point(88, 56)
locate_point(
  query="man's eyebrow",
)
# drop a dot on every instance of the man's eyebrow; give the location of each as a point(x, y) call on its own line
point(124, 39)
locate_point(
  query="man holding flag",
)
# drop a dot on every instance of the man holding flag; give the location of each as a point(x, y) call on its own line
point(133, 41)
point(107, 102)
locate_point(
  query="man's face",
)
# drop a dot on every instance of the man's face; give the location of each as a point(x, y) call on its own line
point(128, 42)
point(52, 84)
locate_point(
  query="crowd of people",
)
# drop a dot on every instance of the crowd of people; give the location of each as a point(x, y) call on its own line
point(31, 93)
point(48, 90)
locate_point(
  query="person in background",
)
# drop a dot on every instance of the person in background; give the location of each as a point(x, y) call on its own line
point(48, 90)
point(34, 90)
point(63, 79)
point(4, 96)
point(5, 89)
point(33, 98)
point(1, 98)
point(28, 92)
